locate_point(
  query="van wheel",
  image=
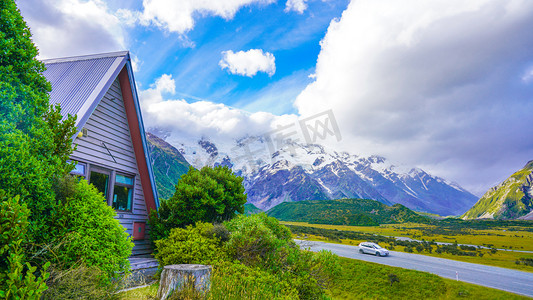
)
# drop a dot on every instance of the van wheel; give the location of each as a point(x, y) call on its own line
point(361, 251)
point(377, 253)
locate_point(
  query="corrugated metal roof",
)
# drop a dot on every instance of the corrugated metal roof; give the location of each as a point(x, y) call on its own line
point(79, 83)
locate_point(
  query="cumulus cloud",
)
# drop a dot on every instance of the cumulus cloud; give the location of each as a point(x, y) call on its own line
point(298, 6)
point(439, 84)
point(178, 15)
point(248, 63)
point(72, 27)
point(183, 120)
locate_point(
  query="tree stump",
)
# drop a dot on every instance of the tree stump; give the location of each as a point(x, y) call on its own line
point(175, 278)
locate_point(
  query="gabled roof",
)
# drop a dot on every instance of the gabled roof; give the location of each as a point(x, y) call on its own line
point(79, 83)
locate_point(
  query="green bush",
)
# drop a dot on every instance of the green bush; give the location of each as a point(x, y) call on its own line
point(237, 281)
point(91, 233)
point(261, 241)
point(17, 279)
point(207, 195)
point(221, 232)
point(192, 245)
point(257, 239)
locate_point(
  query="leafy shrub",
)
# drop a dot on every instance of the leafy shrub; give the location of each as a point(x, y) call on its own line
point(91, 233)
point(192, 245)
point(309, 272)
point(79, 282)
point(237, 281)
point(221, 232)
point(261, 241)
point(17, 279)
point(207, 195)
point(257, 239)
point(525, 261)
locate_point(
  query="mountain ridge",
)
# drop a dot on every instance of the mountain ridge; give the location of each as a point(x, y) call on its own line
point(296, 172)
point(168, 165)
point(511, 199)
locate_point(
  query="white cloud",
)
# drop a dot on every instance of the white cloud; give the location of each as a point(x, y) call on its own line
point(165, 83)
point(178, 15)
point(248, 63)
point(433, 83)
point(136, 63)
point(185, 120)
point(296, 5)
point(72, 27)
point(528, 75)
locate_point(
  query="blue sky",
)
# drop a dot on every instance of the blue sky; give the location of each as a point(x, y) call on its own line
point(443, 85)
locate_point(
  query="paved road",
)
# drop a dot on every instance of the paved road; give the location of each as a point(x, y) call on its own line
point(499, 278)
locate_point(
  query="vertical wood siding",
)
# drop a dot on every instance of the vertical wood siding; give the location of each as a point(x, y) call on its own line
point(108, 124)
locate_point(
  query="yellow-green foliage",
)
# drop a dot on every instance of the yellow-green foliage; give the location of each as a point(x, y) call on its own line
point(260, 241)
point(91, 233)
point(257, 238)
point(237, 281)
point(192, 245)
point(259, 258)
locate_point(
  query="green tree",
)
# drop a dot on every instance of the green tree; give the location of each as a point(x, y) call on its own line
point(17, 279)
point(34, 142)
point(207, 195)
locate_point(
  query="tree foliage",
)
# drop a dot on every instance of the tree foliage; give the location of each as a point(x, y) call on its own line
point(207, 195)
point(17, 279)
point(34, 141)
point(90, 233)
point(192, 245)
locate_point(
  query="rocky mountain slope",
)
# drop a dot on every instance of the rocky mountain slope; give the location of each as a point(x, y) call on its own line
point(168, 165)
point(511, 199)
point(354, 212)
point(294, 172)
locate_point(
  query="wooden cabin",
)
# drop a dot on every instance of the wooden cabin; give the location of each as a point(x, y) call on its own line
point(111, 148)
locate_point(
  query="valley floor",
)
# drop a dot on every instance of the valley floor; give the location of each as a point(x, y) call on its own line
point(513, 243)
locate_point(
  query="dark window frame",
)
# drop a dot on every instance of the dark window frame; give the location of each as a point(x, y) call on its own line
point(129, 186)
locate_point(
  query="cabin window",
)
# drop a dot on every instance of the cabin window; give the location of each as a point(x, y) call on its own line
point(79, 169)
point(101, 181)
point(123, 192)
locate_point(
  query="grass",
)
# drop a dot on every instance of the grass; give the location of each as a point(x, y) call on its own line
point(508, 238)
point(360, 279)
point(371, 281)
point(144, 293)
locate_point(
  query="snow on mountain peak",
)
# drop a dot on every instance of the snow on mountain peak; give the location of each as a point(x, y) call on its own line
point(275, 171)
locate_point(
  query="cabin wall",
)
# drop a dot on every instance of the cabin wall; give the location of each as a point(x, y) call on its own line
point(108, 127)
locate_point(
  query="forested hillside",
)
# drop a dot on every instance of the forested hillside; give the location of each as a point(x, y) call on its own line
point(355, 212)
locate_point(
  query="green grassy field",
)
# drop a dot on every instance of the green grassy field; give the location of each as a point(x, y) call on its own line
point(365, 280)
point(505, 238)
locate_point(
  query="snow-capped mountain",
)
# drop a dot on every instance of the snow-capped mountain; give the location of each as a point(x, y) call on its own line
point(293, 172)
